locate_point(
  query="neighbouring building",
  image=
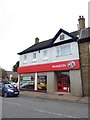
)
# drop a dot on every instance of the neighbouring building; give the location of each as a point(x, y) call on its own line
point(84, 52)
point(12, 75)
point(0, 74)
point(56, 65)
point(84, 44)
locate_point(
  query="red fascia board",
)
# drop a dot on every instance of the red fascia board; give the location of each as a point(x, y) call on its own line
point(56, 66)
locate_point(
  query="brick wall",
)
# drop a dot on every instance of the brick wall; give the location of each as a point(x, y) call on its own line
point(84, 58)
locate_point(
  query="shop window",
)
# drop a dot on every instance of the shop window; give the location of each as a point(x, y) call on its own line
point(42, 82)
point(27, 82)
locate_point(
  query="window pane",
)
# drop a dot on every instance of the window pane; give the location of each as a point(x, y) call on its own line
point(34, 55)
point(45, 53)
point(25, 57)
point(58, 51)
point(65, 50)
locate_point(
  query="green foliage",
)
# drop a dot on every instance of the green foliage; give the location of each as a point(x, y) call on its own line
point(15, 80)
point(4, 74)
point(15, 66)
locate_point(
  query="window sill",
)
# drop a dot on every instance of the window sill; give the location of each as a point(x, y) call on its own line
point(24, 62)
point(45, 59)
point(34, 61)
point(63, 55)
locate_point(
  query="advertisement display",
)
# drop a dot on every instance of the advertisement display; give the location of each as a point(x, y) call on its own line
point(42, 82)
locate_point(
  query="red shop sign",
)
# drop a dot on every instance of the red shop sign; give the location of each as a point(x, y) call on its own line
point(56, 66)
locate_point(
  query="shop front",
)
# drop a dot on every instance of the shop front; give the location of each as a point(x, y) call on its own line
point(51, 78)
point(27, 82)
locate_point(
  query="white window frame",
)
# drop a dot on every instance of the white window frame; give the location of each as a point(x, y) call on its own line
point(66, 53)
point(45, 55)
point(34, 57)
point(25, 58)
point(57, 51)
point(60, 52)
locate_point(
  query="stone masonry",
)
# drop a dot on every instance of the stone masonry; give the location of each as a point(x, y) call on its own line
point(85, 65)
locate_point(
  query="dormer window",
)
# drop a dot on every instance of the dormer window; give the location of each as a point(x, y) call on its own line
point(62, 37)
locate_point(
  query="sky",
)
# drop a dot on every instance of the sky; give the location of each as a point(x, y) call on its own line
point(21, 21)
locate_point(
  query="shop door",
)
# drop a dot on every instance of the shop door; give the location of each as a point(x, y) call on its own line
point(63, 84)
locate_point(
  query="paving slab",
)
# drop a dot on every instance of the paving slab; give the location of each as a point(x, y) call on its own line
point(64, 97)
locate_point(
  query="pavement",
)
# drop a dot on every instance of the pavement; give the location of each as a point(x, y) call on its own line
point(62, 97)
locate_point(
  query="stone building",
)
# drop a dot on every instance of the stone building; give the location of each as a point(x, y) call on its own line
point(84, 52)
point(84, 43)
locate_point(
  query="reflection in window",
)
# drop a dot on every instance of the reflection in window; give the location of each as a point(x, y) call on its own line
point(65, 50)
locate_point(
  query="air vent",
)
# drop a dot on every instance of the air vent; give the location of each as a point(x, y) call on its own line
point(62, 37)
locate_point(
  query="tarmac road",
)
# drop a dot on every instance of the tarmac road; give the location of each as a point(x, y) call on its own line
point(26, 107)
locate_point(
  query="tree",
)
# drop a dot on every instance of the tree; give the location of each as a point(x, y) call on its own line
point(4, 74)
point(15, 66)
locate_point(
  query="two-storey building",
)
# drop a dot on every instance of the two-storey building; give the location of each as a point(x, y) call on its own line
point(52, 66)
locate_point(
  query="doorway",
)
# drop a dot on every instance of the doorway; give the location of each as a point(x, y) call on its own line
point(63, 82)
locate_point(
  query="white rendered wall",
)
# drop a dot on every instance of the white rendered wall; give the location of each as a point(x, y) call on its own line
point(52, 56)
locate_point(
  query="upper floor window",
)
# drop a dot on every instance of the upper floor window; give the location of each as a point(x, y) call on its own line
point(25, 59)
point(34, 57)
point(45, 54)
point(63, 50)
point(58, 51)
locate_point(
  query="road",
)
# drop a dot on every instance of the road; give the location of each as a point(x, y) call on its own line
point(26, 107)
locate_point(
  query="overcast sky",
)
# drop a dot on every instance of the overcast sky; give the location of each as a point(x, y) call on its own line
point(23, 20)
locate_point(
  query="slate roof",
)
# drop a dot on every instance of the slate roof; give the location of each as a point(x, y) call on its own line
point(85, 33)
point(49, 43)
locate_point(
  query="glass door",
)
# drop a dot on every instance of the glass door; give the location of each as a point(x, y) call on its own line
point(63, 83)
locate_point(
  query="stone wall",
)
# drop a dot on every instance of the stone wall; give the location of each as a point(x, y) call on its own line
point(84, 59)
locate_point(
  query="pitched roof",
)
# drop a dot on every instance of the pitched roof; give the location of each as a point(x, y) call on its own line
point(85, 33)
point(49, 43)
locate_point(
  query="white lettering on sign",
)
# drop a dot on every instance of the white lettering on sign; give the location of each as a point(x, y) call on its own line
point(59, 66)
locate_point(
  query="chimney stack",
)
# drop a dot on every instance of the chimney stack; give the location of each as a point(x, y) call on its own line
point(81, 21)
point(36, 40)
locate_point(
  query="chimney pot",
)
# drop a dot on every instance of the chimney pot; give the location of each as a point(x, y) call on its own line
point(80, 17)
point(81, 22)
point(36, 40)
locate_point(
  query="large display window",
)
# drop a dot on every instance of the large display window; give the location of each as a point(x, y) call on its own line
point(27, 81)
